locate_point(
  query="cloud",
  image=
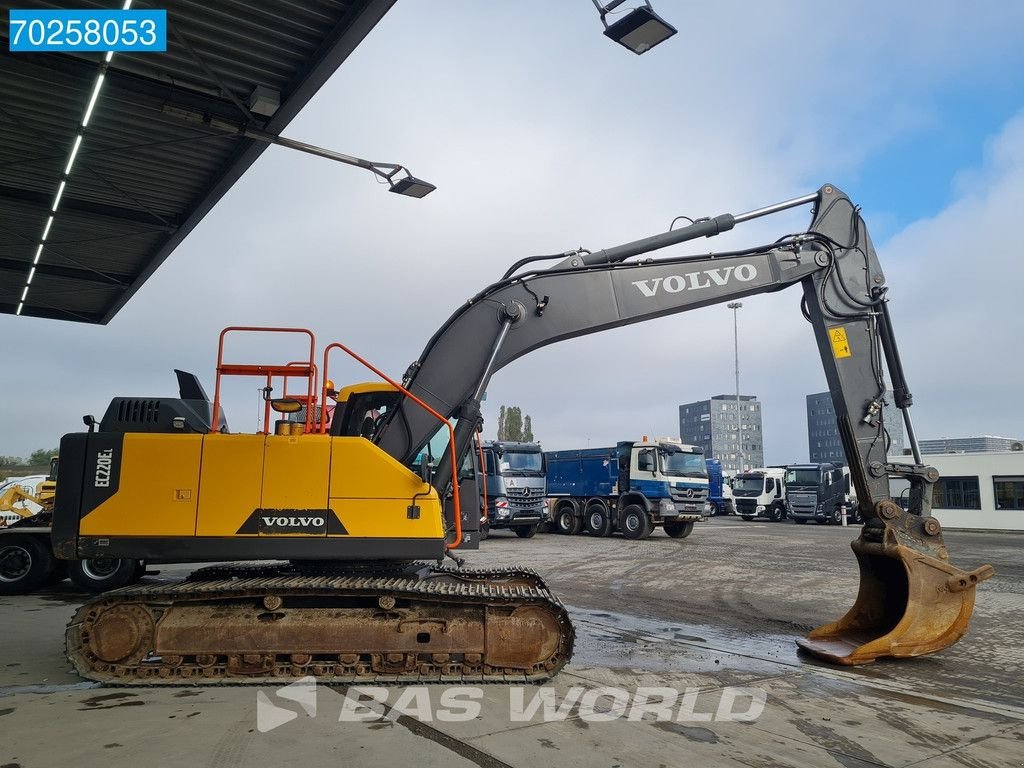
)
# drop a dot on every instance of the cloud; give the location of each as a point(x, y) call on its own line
point(544, 137)
point(956, 302)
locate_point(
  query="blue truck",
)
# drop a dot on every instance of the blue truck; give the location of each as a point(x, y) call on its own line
point(632, 487)
point(720, 498)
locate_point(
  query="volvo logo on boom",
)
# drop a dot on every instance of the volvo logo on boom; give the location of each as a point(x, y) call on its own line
point(695, 281)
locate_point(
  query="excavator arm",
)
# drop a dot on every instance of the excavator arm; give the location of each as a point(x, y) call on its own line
point(911, 600)
point(590, 292)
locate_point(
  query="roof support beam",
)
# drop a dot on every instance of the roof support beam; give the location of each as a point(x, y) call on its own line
point(45, 199)
point(55, 69)
point(110, 279)
point(50, 313)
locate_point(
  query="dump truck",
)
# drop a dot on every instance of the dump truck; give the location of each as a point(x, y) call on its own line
point(632, 487)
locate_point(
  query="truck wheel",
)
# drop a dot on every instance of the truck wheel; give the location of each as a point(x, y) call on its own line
point(599, 519)
point(485, 531)
point(635, 522)
point(25, 563)
point(679, 530)
point(525, 531)
point(714, 511)
point(776, 514)
point(567, 521)
point(837, 516)
point(99, 574)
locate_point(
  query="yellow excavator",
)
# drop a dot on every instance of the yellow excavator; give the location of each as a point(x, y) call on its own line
point(13, 500)
point(14, 497)
point(366, 511)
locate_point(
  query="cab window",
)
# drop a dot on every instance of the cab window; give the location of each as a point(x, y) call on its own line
point(646, 461)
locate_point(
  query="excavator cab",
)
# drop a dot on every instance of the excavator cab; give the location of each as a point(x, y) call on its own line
point(363, 407)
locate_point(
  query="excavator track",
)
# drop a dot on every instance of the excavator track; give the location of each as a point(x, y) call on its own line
point(250, 624)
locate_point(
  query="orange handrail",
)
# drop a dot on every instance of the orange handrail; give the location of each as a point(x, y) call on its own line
point(483, 473)
point(421, 404)
point(234, 369)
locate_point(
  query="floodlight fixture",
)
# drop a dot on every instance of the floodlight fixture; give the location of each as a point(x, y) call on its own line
point(639, 30)
point(410, 186)
point(407, 185)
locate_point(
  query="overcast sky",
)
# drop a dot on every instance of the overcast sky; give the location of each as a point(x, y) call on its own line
point(542, 135)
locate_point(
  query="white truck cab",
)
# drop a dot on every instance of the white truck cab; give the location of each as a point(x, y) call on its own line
point(761, 492)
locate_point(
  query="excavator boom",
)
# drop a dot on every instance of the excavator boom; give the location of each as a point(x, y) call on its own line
point(911, 600)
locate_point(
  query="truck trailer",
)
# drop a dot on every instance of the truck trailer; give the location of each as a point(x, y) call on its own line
point(720, 496)
point(632, 487)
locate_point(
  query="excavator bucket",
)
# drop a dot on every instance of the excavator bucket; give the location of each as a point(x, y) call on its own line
point(909, 604)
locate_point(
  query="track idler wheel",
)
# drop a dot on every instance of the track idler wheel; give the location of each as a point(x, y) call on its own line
point(911, 601)
point(122, 634)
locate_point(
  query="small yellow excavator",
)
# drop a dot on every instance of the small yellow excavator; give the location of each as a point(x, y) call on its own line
point(364, 511)
point(13, 499)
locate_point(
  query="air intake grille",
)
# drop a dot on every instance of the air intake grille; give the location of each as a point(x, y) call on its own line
point(135, 411)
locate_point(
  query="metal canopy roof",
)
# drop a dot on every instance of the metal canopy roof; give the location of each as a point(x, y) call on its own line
point(158, 151)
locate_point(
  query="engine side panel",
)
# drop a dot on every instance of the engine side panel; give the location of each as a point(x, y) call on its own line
point(156, 491)
point(239, 496)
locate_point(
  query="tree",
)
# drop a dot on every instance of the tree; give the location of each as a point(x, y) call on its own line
point(42, 456)
point(11, 461)
point(513, 423)
point(513, 426)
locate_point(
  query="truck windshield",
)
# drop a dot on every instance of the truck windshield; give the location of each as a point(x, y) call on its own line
point(802, 477)
point(750, 483)
point(520, 462)
point(683, 464)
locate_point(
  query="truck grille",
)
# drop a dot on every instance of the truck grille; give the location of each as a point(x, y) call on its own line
point(525, 498)
point(689, 494)
point(803, 502)
point(746, 506)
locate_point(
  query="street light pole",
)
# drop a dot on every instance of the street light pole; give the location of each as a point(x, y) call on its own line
point(735, 306)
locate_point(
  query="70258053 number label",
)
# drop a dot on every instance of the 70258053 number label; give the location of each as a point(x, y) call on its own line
point(93, 30)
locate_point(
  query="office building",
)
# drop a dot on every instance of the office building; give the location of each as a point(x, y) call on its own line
point(725, 432)
point(823, 435)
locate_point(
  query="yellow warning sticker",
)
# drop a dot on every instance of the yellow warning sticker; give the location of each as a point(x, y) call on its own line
point(840, 345)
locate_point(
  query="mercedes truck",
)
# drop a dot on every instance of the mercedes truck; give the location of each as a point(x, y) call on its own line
point(632, 487)
point(512, 493)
